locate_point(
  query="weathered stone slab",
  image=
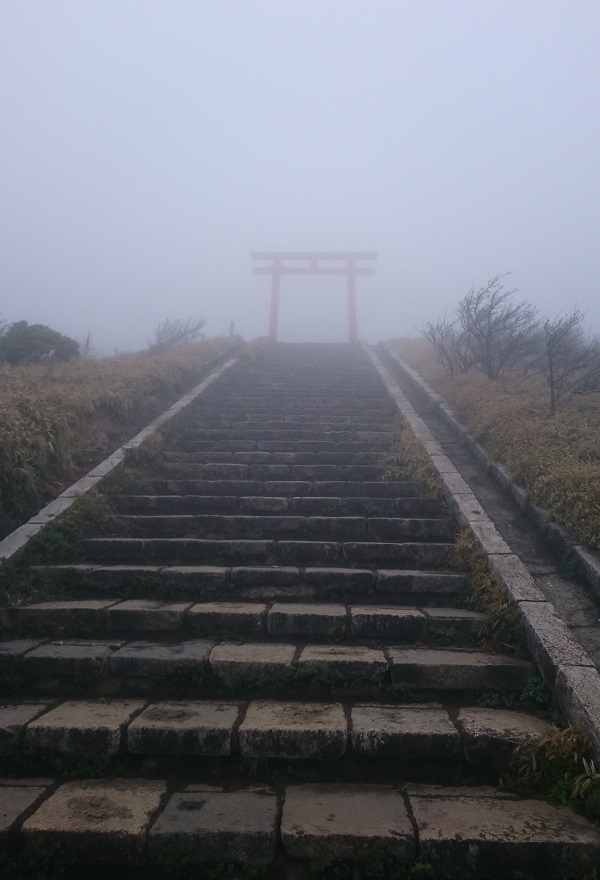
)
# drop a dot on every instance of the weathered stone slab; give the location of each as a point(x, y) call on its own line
point(379, 621)
point(490, 735)
point(13, 651)
point(459, 620)
point(184, 728)
point(409, 581)
point(68, 617)
point(255, 660)
point(290, 618)
point(293, 730)
point(15, 799)
point(147, 614)
point(259, 575)
point(153, 659)
point(95, 727)
point(82, 660)
point(514, 577)
point(227, 617)
point(345, 660)
point(404, 731)
point(577, 692)
point(489, 539)
point(348, 578)
point(352, 822)
point(494, 837)
point(458, 670)
point(550, 641)
point(13, 719)
point(98, 822)
point(238, 826)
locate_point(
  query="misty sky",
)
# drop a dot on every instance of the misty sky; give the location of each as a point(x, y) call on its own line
point(148, 146)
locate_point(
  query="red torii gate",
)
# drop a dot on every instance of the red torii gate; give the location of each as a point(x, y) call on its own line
point(313, 263)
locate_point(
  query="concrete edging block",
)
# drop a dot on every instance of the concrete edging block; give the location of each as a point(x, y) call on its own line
point(565, 666)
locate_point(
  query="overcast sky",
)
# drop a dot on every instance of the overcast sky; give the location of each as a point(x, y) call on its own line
point(147, 146)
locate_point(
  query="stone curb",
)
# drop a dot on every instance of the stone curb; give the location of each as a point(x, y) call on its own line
point(16, 541)
point(568, 671)
point(558, 538)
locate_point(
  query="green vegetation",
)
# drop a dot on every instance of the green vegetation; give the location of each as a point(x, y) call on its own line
point(561, 768)
point(57, 420)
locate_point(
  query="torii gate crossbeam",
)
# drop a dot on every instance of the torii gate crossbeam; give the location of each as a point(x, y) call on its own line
point(313, 263)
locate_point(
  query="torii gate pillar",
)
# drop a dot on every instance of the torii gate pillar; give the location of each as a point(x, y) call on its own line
point(313, 263)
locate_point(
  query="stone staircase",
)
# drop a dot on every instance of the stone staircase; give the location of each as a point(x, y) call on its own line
point(267, 659)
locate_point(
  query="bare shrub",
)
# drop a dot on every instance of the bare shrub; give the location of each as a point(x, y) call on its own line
point(567, 359)
point(170, 334)
point(491, 332)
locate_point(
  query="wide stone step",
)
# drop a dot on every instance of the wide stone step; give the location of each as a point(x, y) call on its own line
point(268, 729)
point(145, 821)
point(186, 551)
point(197, 582)
point(267, 472)
point(100, 667)
point(265, 457)
point(329, 528)
point(333, 435)
point(239, 445)
point(286, 488)
point(276, 505)
point(311, 620)
point(341, 423)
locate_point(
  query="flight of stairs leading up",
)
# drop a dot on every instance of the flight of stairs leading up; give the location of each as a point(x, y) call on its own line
point(261, 657)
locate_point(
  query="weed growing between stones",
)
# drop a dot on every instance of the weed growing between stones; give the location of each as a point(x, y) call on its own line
point(561, 768)
point(60, 541)
point(409, 460)
point(534, 695)
point(503, 630)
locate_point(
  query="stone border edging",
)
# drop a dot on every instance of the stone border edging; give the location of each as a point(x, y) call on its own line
point(16, 541)
point(566, 668)
point(587, 563)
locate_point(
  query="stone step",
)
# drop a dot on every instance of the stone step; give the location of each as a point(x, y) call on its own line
point(276, 505)
point(392, 586)
point(334, 435)
point(239, 445)
point(285, 488)
point(310, 620)
point(122, 823)
point(268, 729)
point(203, 667)
point(195, 551)
point(340, 423)
point(313, 528)
point(267, 472)
point(265, 457)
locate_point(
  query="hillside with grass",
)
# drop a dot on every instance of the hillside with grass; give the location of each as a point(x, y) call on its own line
point(59, 419)
point(555, 455)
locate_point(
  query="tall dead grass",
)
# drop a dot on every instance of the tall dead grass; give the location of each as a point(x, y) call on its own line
point(58, 421)
point(555, 456)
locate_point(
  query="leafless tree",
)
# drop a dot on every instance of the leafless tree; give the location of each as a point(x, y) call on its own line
point(170, 334)
point(491, 332)
point(499, 332)
point(568, 360)
point(449, 344)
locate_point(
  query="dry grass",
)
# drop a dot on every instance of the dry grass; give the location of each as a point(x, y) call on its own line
point(409, 460)
point(556, 457)
point(56, 422)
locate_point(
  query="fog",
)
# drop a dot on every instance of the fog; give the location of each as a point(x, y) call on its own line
point(148, 146)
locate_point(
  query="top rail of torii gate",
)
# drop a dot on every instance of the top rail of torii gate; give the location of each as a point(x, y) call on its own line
point(314, 263)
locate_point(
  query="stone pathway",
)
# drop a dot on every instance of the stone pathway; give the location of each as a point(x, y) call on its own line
point(271, 662)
